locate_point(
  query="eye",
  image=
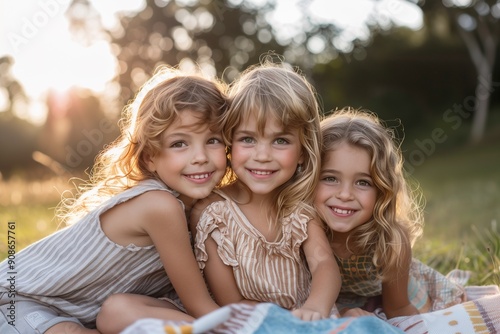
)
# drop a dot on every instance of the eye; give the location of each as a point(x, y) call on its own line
point(330, 179)
point(247, 140)
point(178, 144)
point(214, 141)
point(364, 183)
point(281, 141)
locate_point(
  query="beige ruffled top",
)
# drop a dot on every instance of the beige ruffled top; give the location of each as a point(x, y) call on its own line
point(264, 271)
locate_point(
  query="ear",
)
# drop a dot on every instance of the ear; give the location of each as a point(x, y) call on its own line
point(150, 162)
point(301, 158)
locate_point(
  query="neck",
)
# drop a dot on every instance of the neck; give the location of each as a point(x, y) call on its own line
point(188, 202)
point(339, 243)
point(243, 195)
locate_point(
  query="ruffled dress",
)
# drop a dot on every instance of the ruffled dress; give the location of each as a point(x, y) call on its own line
point(264, 271)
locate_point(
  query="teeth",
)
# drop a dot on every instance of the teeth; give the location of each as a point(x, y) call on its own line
point(259, 172)
point(343, 212)
point(198, 176)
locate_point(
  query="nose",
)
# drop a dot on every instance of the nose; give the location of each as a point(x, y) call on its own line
point(200, 155)
point(344, 192)
point(262, 152)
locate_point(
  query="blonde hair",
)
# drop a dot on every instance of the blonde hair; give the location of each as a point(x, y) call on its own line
point(397, 218)
point(274, 90)
point(156, 106)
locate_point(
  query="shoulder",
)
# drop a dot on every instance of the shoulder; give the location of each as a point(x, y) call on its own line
point(202, 204)
point(157, 202)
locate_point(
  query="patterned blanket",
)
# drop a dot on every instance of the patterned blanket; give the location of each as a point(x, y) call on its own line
point(476, 316)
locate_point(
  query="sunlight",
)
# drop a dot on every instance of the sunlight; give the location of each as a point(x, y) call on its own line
point(52, 59)
point(353, 15)
point(4, 99)
point(46, 56)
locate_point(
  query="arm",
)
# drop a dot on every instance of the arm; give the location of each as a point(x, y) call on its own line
point(219, 276)
point(165, 223)
point(395, 299)
point(326, 281)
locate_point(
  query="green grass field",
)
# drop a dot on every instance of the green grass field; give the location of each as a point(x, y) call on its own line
point(461, 188)
point(462, 215)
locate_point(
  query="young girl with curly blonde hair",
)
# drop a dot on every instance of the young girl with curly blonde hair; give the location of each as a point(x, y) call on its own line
point(373, 218)
point(128, 231)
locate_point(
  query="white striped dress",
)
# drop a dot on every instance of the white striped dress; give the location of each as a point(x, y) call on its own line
point(274, 272)
point(77, 268)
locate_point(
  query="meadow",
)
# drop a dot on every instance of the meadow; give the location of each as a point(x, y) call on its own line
point(462, 214)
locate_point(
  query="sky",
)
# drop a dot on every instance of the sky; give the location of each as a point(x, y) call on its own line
point(35, 33)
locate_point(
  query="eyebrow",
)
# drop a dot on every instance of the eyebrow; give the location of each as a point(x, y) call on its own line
point(334, 171)
point(274, 134)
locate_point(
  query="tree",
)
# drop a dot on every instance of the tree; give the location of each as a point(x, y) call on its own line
point(477, 23)
point(222, 37)
point(17, 136)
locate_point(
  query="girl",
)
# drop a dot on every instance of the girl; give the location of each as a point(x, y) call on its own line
point(373, 218)
point(129, 231)
point(256, 239)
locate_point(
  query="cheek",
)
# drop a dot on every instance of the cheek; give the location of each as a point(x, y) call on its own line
point(220, 160)
point(370, 201)
point(320, 196)
point(237, 155)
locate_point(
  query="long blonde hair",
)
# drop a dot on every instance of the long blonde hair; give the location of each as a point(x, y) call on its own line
point(275, 90)
point(397, 218)
point(156, 106)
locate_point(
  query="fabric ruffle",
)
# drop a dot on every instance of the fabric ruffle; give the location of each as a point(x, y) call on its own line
point(217, 220)
point(214, 221)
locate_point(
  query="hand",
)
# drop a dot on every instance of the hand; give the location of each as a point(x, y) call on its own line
point(354, 312)
point(307, 314)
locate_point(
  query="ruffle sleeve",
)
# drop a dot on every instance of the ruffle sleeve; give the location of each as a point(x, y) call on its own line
point(297, 232)
point(214, 222)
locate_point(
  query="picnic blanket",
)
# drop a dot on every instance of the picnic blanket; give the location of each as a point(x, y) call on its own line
point(265, 318)
point(477, 316)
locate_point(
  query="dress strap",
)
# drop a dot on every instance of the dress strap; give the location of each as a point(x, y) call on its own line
point(140, 188)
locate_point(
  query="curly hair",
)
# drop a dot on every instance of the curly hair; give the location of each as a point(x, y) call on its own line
point(273, 89)
point(398, 213)
point(156, 106)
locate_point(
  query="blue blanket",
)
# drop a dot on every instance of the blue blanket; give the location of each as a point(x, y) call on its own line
point(262, 319)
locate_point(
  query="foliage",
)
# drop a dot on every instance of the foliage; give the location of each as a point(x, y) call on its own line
point(478, 24)
point(216, 35)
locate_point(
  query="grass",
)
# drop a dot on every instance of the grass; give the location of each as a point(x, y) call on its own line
point(461, 188)
point(462, 192)
point(30, 205)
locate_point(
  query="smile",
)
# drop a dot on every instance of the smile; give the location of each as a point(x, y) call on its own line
point(342, 211)
point(198, 176)
point(260, 172)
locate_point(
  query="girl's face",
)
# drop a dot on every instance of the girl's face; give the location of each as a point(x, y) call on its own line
point(345, 195)
point(192, 160)
point(265, 161)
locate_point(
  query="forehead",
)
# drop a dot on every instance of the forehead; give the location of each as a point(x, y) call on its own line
point(261, 125)
point(189, 121)
point(347, 156)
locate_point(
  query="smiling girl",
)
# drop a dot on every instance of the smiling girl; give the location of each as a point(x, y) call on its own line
point(373, 219)
point(257, 239)
point(128, 231)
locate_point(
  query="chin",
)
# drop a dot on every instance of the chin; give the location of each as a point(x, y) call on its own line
point(200, 195)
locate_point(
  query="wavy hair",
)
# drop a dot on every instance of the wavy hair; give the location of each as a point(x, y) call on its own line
point(276, 90)
point(156, 106)
point(398, 217)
